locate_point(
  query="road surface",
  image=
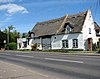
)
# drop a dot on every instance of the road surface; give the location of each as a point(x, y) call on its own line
point(57, 65)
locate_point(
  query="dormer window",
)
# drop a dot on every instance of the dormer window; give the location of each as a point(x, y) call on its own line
point(67, 29)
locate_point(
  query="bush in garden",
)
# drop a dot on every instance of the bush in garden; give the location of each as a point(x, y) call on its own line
point(12, 46)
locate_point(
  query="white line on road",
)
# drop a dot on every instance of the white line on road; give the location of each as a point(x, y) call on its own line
point(19, 55)
point(64, 60)
point(25, 56)
point(5, 54)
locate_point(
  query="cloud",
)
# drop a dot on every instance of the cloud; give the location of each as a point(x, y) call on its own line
point(4, 1)
point(13, 8)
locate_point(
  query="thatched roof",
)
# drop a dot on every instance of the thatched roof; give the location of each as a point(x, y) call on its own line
point(97, 28)
point(56, 26)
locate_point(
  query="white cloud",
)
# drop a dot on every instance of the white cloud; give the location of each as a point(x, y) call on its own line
point(13, 8)
point(4, 1)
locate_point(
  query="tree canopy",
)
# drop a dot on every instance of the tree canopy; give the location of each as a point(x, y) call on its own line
point(3, 37)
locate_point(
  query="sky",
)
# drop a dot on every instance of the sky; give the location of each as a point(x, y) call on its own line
point(24, 14)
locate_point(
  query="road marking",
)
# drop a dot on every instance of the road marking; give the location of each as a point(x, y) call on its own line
point(5, 54)
point(64, 60)
point(25, 56)
point(19, 55)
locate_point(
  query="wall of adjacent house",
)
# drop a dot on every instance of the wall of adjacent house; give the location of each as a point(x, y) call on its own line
point(56, 41)
point(22, 43)
point(88, 24)
point(38, 42)
point(46, 43)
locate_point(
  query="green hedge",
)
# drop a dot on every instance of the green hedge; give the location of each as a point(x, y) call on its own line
point(12, 46)
point(63, 50)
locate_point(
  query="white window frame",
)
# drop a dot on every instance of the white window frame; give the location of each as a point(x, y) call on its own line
point(75, 43)
point(65, 44)
point(67, 29)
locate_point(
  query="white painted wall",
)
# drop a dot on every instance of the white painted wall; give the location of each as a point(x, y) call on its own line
point(98, 37)
point(89, 23)
point(57, 43)
point(20, 41)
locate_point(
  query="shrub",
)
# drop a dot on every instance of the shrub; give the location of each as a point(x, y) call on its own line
point(1, 45)
point(94, 47)
point(98, 44)
point(98, 51)
point(34, 47)
point(12, 46)
point(58, 50)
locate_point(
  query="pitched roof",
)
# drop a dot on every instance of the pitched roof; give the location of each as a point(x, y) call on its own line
point(48, 27)
point(76, 21)
point(97, 28)
point(51, 27)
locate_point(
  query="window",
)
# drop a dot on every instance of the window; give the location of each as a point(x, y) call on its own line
point(67, 29)
point(89, 30)
point(75, 43)
point(65, 43)
point(19, 45)
point(28, 40)
point(54, 37)
point(24, 44)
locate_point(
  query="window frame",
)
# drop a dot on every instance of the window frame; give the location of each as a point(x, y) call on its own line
point(24, 44)
point(65, 44)
point(67, 29)
point(75, 43)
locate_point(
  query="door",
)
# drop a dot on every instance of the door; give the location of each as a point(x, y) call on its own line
point(90, 44)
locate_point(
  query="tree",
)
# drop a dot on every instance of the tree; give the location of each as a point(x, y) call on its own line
point(24, 35)
point(11, 27)
point(2, 38)
point(17, 34)
point(8, 34)
point(5, 31)
point(14, 35)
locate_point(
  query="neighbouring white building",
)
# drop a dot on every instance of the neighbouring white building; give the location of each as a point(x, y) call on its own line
point(77, 31)
point(24, 43)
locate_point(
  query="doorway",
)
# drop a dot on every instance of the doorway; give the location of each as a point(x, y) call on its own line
point(89, 44)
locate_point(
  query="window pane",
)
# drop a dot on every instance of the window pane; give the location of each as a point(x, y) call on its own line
point(75, 43)
point(89, 30)
point(65, 43)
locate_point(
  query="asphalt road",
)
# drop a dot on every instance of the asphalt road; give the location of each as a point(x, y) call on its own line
point(58, 65)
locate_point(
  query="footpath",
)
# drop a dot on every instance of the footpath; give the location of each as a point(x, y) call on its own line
point(11, 71)
point(80, 53)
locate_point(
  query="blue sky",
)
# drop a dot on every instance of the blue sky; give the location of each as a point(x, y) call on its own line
point(24, 14)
